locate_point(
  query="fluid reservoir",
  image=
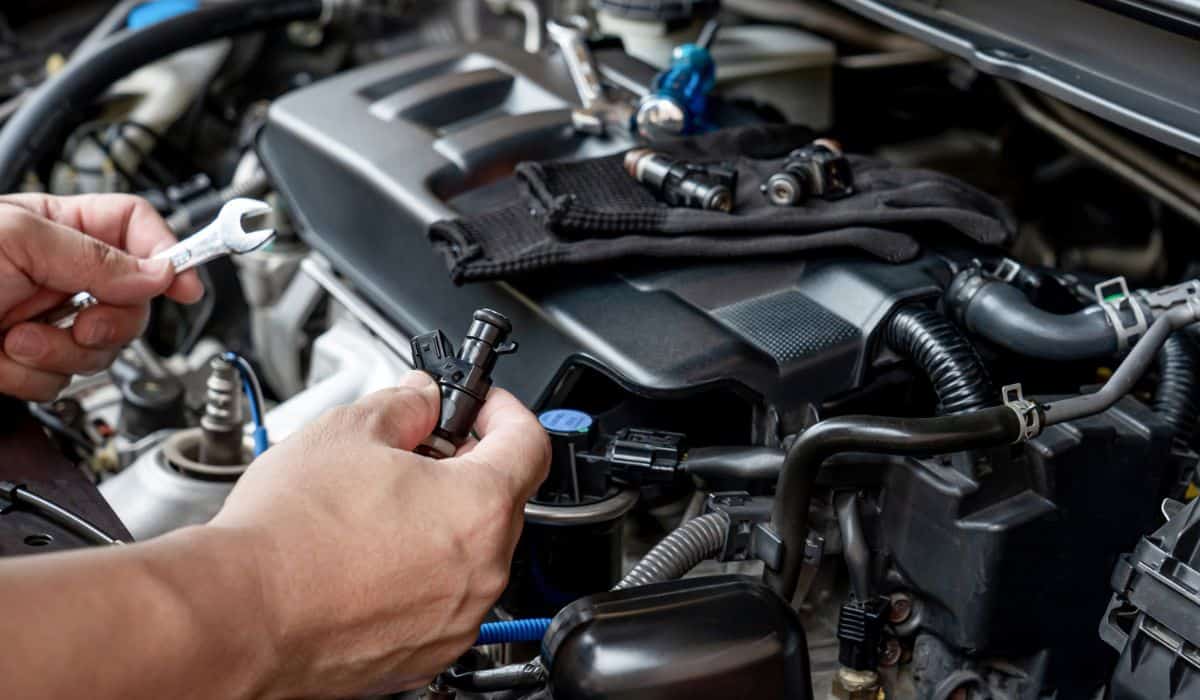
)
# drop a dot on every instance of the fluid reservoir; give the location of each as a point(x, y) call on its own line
point(571, 544)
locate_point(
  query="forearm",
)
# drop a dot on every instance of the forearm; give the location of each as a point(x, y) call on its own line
point(180, 616)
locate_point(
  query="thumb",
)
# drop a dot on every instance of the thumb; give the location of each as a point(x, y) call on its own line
point(404, 415)
point(64, 260)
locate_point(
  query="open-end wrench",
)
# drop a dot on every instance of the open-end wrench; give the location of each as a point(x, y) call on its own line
point(599, 112)
point(225, 235)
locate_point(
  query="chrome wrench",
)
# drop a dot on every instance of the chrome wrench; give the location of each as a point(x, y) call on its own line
point(224, 236)
point(599, 112)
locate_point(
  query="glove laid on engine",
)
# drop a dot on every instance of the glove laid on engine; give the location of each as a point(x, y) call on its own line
point(591, 212)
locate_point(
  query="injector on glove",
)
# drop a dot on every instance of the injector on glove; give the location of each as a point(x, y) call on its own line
point(679, 183)
point(464, 379)
point(816, 170)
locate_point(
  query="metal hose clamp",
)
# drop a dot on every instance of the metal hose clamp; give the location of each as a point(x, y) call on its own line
point(1112, 308)
point(1026, 410)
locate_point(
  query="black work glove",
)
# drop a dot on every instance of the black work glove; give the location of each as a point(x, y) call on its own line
point(592, 211)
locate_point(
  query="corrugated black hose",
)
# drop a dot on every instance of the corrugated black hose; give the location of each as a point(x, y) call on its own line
point(944, 355)
point(1175, 398)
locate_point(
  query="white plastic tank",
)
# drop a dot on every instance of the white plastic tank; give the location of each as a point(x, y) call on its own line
point(787, 68)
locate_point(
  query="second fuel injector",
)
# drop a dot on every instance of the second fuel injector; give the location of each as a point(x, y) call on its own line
point(816, 170)
point(464, 378)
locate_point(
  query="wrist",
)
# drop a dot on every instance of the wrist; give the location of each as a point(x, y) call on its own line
point(214, 574)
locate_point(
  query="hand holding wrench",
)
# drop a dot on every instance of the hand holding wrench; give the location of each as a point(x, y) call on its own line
point(225, 235)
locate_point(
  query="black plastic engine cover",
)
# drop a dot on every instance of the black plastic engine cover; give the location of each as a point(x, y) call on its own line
point(369, 158)
point(713, 638)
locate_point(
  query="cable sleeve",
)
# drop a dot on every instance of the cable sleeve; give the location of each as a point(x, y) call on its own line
point(944, 355)
point(1175, 397)
point(680, 551)
point(508, 631)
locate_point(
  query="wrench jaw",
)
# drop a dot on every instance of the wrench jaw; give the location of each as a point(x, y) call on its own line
point(234, 235)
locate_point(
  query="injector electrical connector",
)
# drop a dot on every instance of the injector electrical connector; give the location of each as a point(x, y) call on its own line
point(816, 170)
point(682, 184)
point(464, 379)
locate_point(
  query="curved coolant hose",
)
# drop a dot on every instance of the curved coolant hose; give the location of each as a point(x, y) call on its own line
point(986, 427)
point(944, 355)
point(63, 100)
point(679, 552)
point(1175, 397)
point(1128, 372)
point(1003, 314)
point(508, 631)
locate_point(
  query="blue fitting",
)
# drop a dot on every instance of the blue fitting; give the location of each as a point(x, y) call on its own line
point(687, 82)
point(529, 630)
point(157, 11)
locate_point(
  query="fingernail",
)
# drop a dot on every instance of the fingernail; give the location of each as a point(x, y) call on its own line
point(96, 333)
point(26, 343)
point(153, 267)
point(417, 379)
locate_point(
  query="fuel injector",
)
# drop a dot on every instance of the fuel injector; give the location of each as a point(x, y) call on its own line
point(682, 184)
point(464, 379)
point(816, 170)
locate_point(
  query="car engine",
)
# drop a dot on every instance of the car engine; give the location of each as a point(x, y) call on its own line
point(965, 474)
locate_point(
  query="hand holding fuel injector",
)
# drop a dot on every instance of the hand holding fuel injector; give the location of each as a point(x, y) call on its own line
point(342, 564)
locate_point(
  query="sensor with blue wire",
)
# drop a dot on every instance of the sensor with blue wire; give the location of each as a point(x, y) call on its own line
point(254, 395)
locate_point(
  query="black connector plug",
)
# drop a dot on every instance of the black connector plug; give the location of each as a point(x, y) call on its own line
point(464, 378)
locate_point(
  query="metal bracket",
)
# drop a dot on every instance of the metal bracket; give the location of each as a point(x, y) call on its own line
point(1165, 298)
point(749, 536)
point(1026, 410)
point(1113, 309)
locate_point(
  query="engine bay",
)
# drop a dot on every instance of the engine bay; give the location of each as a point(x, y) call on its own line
point(960, 467)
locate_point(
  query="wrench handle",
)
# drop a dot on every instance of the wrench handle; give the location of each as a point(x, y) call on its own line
point(182, 258)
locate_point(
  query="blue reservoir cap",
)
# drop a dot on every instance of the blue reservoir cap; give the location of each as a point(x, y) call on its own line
point(565, 420)
point(158, 10)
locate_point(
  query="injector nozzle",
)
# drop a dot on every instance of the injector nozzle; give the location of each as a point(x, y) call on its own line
point(464, 378)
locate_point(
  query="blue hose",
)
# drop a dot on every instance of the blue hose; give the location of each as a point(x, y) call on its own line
point(530, 630)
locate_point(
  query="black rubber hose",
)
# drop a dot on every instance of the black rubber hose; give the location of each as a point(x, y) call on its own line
point(854, 545)
point(986, 427)
point(1175, 398)
point(944, 355)
point(748, 463)
point(1003, 314)
point(58, 104)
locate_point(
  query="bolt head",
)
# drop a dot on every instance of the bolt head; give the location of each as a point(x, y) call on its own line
point(901, 607)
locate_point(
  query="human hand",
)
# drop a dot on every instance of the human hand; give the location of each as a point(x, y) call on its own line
point(51, 248)
point(376, 565)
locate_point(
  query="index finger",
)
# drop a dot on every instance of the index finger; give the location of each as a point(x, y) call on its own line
point(512, 441)
point(121, 220)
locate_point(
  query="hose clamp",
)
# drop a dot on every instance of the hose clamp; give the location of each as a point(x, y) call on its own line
point(1007, 270)
point(1111, 302)
point(1026, 410)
